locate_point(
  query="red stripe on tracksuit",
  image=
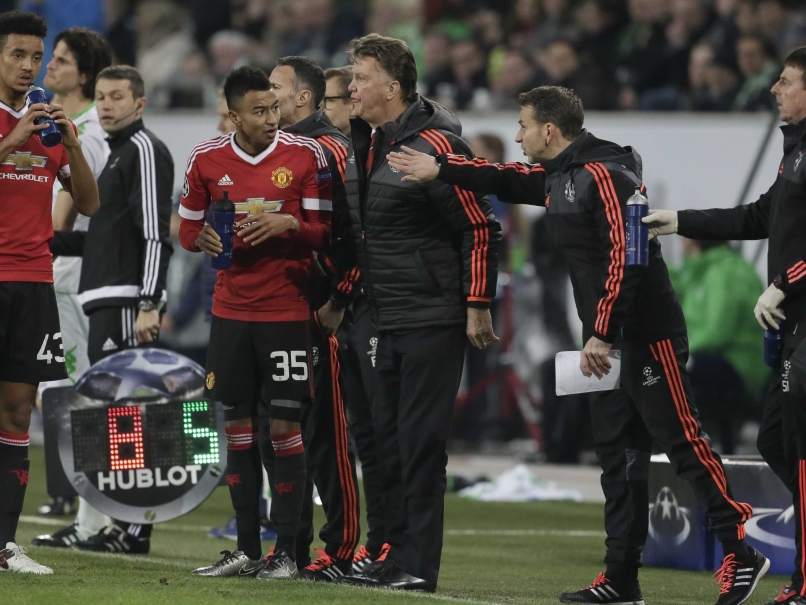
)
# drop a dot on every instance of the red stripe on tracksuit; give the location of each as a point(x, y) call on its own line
point(691, 429)
point(617, 254)
point(516, 166)
point(348, 487)
point(350, 279)
point(796, 272)
point(338, 150)
point(481, 235)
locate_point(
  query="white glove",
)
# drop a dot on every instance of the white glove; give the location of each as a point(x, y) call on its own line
point(661, 222)
point(767, 307)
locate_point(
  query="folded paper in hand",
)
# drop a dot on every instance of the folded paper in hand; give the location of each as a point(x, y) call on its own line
point(571, 380)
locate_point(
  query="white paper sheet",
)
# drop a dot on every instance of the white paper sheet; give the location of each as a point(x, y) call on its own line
point(571, 380)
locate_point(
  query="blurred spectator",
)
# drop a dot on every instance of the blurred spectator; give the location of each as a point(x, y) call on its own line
point(718, 290)
point(783, 26)
point(556, 22)
point(599, 23)
point(714, 80)
point(488, 27)
point(163, 44)
point(337, 103)
point(723, 31)
point(436, 60)
point(517, 74)
point(642, 51)
point(689, 21)
point(468, 86)
point(321, 30)
point(227, 49)
point(563, 67)
point(759, 67)
point(400, 19)
point(61, 14)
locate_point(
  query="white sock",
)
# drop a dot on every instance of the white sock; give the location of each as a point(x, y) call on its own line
point(91, 518)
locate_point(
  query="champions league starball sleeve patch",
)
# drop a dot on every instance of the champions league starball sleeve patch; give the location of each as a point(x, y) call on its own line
point(324, 176)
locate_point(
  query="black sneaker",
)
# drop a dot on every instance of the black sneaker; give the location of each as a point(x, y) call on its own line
point(58, 507)
point(325, 568)
point(363, 561)
point(115, 539)
point(278, 566)
point(603, 591)
point(787, 596)
point(64, 538)
point(740, 578)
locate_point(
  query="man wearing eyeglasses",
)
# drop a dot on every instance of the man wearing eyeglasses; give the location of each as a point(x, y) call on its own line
point(337, 103)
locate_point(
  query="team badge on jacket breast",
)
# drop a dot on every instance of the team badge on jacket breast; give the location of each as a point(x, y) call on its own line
point(281, 177)
point(569, 191)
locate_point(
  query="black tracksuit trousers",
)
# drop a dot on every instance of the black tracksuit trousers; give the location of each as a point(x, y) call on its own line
point(654, 403)
point(358, 345)
point(418, 375)
point(782, 443)
point(330, 459)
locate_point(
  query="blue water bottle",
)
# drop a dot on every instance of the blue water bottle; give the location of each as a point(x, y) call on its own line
point(637, 232)
point(224, 225)
point(774, 346)
point(50, 136)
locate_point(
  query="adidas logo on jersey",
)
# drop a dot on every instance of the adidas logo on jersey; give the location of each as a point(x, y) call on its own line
point(109, 345)
point(225, 181)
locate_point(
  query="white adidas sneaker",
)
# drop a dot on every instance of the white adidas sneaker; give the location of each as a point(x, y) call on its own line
point(13, 558)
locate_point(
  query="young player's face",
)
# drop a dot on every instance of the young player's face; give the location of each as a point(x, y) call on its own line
point(790, 93)
point(370, 90)
point(225, 125)
point(117, 107)
point(257, 117)
point(62, 75)
point(531, 136)
point(20, 61)
point(283, 82)
point(338, 109)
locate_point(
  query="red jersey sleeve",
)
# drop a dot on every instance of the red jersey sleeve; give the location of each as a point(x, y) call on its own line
point(317, 202)
point(192, 206)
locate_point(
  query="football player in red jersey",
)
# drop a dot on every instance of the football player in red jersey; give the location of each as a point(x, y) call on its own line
point(258, 363)
point(30, 339)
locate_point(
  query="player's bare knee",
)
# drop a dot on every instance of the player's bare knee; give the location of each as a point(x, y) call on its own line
point(15, 415)
point(280, 427)
point(239, 423)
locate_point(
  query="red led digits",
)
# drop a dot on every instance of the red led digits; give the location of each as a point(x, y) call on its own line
point(125, 438)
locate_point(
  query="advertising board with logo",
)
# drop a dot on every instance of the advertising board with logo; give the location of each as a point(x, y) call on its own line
point(678, 526)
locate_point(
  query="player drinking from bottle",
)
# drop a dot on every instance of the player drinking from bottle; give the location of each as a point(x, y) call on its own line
point(258, 363)
point(30, 338)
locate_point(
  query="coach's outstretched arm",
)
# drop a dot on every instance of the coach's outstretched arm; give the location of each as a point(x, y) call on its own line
point(513, 182)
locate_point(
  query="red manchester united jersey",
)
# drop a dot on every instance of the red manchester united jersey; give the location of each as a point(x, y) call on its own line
point(267, 282)
point(26, 192)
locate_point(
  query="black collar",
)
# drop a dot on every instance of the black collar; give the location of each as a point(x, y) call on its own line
point(309, 124)
point(118, 138)
point(567, 155)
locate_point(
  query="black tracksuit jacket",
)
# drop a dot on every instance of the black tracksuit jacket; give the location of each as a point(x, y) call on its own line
point(584, 191)
point(426, 251)
point(780, 215)
point(341, 246)
point(127, 246)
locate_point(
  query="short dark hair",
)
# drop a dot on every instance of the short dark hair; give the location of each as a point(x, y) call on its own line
point(345, 76)
point(309, 76)
point(91, 51)
point(556, 104)
point(242, 80)
point(797, 58)
point(23, 23)
point(395, 58)
point(125, 72)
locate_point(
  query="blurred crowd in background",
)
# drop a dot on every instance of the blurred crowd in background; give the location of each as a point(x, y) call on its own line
point(695, 55)
point(687, 55)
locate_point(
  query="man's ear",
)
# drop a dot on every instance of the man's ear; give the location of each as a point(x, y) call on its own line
point(233, 117)
point(303, 98)
point(392, 90)
point(141, 104)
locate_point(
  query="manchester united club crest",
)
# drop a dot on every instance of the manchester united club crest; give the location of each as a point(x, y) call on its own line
point(569, 191)
point(281, 177)
point(210, 381)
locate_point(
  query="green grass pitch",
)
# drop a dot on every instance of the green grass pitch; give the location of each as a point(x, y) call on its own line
point(493, 553)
